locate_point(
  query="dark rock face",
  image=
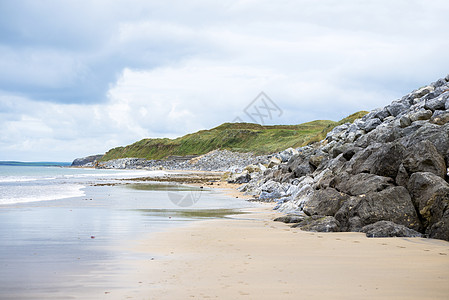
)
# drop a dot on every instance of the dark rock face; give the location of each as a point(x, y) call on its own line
point(389, 229)
point(86, 161)
point(392, 204)
point(364, 183)
point(430, 195)
point(325, 202)
point(424, 157)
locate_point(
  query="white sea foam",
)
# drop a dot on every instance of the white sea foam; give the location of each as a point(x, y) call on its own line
point(29, 184)
point(32, 193)
point(17, 179)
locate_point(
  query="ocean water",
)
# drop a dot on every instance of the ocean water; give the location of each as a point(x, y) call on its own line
point(24, 183)
point(67, 230)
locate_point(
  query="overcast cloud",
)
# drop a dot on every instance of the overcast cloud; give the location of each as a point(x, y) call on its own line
point(80, 77)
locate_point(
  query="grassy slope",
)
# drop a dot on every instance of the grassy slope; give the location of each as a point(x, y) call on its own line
point(242, 137)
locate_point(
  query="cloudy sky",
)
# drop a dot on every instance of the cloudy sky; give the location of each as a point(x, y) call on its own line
point(80, 77)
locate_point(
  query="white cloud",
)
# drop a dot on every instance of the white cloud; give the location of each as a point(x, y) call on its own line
point(107, 74)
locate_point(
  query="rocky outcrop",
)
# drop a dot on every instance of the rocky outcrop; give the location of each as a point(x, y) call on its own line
point(385, 174)
point(89, 161)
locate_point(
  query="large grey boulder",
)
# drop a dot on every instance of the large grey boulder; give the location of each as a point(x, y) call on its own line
point(240, 178)
point(396, 108)
point(424, 157)
point(437, 102)
point(383, 133)
point(388, 229)
point(422, 114)
point(380, 159)
point(325, 202)
point(440, 230)
point(392, 204)
point(430, 195)
point(303, 169)
point(436, 134)
point(319, 224)
point(290, 218)
point(364, 183)
point(371, 124)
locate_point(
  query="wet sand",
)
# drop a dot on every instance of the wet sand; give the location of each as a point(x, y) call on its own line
point(251, 257)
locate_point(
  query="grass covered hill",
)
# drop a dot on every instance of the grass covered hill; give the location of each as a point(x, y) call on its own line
point(240, 137)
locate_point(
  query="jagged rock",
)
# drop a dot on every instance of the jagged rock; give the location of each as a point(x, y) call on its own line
point(437, 135)
point(402, 178)
point(396, 108)
point(350, 151)
point(421, 115)
point(324, 179)
point(437, 103)
point(324, 202)
point(382, 113)
point(291, 219)
point(440, 117)
point(337, 150)
point(303, 169)
point(319, 224)
point(269, 196)
point(372, 124)
point(423, 91)
point(430, 195)
point(424, 157)
point(404, 121)
point(297, 202)
point(392, 204)
point(388, 229)
point(380, 159)
point(440, 230)
point(274, 161)
point(287, 154)
point(384, 133)
point(243, 177)
point(364, 183)
point(315, 160)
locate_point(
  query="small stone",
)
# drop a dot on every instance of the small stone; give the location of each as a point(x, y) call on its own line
point(405, 121)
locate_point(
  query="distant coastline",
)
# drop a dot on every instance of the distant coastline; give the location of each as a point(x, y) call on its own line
point(35, 164)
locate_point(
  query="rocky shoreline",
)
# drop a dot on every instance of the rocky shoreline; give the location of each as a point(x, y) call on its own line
point(217, 160)
point(385, 174)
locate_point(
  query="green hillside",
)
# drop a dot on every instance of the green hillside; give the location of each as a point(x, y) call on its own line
point(241, 137)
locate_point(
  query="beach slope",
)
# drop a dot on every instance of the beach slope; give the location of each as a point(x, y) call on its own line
point(254, 258)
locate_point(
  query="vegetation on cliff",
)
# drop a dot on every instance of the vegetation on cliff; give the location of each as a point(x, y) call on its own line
point(241, 137)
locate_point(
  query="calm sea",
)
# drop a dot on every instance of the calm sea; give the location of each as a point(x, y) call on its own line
point(62, 229)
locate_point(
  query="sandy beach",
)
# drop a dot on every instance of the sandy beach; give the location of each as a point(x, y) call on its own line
point(252, 257)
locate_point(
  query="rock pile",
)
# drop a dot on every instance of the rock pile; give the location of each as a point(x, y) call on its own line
point(385, 174)
point(218, 160)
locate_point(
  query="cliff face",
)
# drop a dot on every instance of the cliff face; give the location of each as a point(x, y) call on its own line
point(88, 161)
point(385, 174)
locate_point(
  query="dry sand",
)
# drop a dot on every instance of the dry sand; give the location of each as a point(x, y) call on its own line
point(251, 257)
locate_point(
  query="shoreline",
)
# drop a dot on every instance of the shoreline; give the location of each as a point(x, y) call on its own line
point(250, 256)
